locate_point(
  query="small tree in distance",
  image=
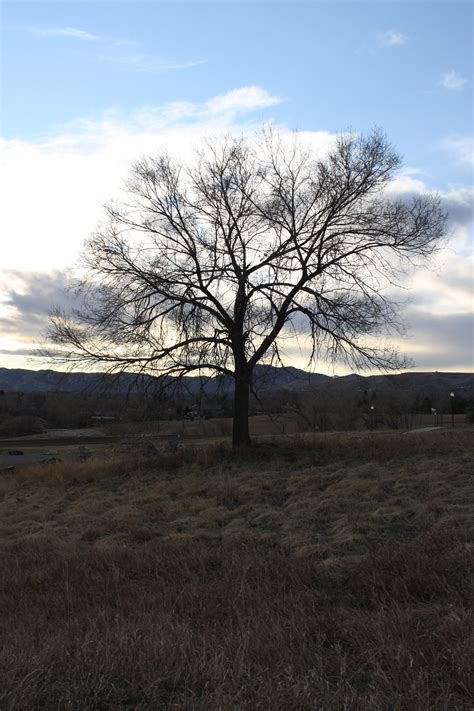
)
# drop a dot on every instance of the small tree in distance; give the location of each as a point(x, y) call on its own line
point(213, 266)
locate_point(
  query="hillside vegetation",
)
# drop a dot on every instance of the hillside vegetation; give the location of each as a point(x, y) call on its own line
point(327, 572)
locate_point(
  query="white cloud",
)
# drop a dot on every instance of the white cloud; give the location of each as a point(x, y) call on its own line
point(456, 201)
point(72, 32)
point(391, 38)
point(444, 285)
point(241, 100)
point(53, 191)
point(459, 200)
point(452, 81)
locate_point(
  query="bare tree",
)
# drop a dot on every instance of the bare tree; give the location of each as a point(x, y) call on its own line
point(215, 265)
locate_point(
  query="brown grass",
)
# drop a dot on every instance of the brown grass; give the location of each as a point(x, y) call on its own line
point(328, 573)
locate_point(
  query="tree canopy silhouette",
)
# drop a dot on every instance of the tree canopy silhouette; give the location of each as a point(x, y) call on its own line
point(216, 265)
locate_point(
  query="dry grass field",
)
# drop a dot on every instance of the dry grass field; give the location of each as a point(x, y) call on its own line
point(324, 572)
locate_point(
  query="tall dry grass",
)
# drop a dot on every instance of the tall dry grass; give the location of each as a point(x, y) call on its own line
point(198, 626)
point(334, 573)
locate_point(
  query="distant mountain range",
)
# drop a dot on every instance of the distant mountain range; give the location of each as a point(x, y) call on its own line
point(266, 378)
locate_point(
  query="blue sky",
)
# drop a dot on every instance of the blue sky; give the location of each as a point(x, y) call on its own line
point(71, 70)
point(332, 62)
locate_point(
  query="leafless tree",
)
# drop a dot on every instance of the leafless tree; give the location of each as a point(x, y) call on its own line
point(215, 265)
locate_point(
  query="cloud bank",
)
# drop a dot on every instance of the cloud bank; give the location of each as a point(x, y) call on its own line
point(53, 191)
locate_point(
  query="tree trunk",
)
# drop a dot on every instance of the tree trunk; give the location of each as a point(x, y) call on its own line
point(240, 431)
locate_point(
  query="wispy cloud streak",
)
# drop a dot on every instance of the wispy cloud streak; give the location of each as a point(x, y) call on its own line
point(72, 32)
point(452, 81)
point(461, 148)
point(141, 62)
point(391, 38)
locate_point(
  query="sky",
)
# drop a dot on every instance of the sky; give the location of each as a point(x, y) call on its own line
point(88, 87)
